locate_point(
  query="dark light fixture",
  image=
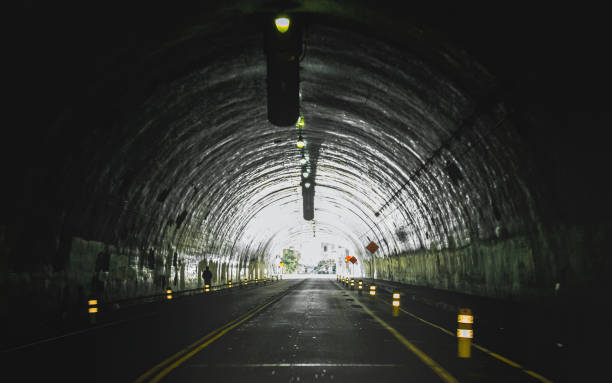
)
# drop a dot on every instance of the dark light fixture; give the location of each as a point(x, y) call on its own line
point(283, 47)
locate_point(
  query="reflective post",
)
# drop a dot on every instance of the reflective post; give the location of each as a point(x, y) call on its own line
point(92, 310)
point(360, 287)
point(465, 333)
point(229, 284)
point(352, 284)
point(257, 281)
point(168, 294)
point(372, 290)
point(207, 288)
point(396, 303)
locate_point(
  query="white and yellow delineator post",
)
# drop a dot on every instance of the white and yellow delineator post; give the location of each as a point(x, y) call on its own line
point(396, 303)
point(92, 310)
point(465, 333)
point(168, 294)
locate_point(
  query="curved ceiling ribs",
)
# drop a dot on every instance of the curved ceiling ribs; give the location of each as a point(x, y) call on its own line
point(407, 157)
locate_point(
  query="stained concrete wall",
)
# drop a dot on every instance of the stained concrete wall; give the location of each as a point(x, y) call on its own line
point(114, 195)
point(110, 273)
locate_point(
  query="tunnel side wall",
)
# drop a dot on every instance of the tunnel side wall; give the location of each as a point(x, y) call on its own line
point(111, 273)
point(518, 268)
point(511, 228)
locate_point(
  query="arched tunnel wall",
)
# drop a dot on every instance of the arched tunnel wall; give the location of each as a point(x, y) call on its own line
point(475, 171)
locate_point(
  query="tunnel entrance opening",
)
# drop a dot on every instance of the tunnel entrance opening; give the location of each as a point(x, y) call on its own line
point(411, 148)
point(153, 148)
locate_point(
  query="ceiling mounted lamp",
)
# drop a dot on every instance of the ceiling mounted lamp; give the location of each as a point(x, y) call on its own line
point(283, 47)
point(300, 122)
point(307, 185)
point(282, 23)
point(300, 142)
point(305, 174)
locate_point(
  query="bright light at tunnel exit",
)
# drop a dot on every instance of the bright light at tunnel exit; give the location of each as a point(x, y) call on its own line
point(282, 24)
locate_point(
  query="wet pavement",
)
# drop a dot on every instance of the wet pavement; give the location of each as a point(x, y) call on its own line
point(299, 330)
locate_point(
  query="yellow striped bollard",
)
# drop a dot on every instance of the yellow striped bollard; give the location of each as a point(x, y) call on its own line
point(92, 310)
point(396, 303)
point(465, 333)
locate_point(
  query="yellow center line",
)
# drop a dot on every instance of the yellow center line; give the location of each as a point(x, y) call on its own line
point(489, 352)
point(176, 359)
point(441, 372)
point(144, 376)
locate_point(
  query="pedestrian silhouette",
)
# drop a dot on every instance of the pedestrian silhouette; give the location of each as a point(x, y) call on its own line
point(207, 275)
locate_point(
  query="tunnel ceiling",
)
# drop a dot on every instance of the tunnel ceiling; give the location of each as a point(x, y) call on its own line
point(409, 137)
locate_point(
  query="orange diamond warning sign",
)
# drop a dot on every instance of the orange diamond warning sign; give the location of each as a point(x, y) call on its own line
point(353, 260)
point(372, 247)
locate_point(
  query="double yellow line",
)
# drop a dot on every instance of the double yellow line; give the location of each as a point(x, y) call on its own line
point(162, 369)
point(486, 351)
point(440, 371)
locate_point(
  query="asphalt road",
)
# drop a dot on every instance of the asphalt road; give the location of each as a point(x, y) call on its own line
point(309, 330)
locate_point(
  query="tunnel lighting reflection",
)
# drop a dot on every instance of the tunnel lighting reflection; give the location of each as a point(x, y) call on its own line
point(305, 174)
point(303, 161)
point(282, 24)
point(92, 303)
point(307, 185)
point(300, 143)
point(465, 318)
point(462, 333)
point(396, 296)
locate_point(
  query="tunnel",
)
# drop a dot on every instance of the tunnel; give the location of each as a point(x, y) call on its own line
point(467, 142)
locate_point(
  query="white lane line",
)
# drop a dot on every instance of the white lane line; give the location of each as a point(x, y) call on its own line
point(248, 365)
point(74, 333)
